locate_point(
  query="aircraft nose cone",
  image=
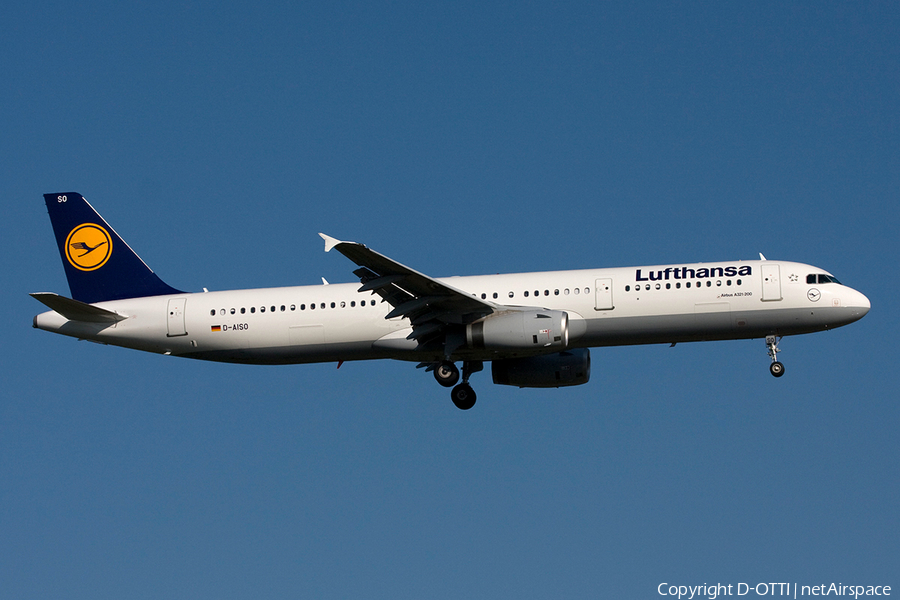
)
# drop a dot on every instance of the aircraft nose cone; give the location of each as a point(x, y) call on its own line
point(860, 303)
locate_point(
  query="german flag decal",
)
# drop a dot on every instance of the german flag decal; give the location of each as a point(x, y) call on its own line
point(216, 328)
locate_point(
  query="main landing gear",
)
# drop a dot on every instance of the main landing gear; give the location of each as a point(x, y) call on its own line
point(776, 368)
point(447, 375)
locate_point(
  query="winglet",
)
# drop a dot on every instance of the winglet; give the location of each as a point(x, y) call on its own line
point(761, 257)
point(330, 242)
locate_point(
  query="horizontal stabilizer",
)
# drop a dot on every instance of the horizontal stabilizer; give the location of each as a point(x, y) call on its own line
point(74, 310)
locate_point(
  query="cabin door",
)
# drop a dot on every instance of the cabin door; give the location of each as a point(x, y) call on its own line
point(771, 283)
point(175, 317)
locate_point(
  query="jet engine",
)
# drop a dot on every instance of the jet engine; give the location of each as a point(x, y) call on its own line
point(572, 367)
point(520, 330)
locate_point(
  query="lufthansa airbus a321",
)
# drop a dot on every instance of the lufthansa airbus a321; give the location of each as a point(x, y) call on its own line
point(534, 328)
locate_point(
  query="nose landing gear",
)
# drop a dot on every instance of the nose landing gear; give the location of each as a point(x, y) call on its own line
point(776, 368)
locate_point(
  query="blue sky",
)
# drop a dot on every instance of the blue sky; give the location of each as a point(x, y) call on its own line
point(458, 138)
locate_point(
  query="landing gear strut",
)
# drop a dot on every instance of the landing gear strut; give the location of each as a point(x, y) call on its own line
point(463, 395)
point(776, 368)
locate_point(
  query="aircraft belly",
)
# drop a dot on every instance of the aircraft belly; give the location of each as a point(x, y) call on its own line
point(288, 355)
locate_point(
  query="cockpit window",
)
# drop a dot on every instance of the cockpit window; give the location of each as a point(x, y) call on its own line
point(821, 278)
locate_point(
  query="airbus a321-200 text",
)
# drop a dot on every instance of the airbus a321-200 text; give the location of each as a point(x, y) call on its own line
point(534, 328)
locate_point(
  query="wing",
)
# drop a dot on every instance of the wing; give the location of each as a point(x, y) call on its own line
point(435, 309)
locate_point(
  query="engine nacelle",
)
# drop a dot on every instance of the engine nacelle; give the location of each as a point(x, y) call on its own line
point(520, 330)
point(572, 367)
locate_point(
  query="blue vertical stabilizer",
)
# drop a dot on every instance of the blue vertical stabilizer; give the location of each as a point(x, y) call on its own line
point(99, 264)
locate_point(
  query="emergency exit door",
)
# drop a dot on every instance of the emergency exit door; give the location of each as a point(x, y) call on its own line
point(603, 294)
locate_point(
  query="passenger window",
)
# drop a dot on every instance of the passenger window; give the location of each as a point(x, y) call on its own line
point(212, 313)
point(627, 288)
point(293, 307)
point(688, 284)
point(252, 310)
point(273, 309)
point(222, 312)
point(282, 308)
point(233, 311)
point(484, 296)
point(495, 295)
point(262, 309)
point(512, 294)
point(243, 310)
point(577, 291)
point(343, 304)
point(526, 293)
point(312, 306)
point(668, 286)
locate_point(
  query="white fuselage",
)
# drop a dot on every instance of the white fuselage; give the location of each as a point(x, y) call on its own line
point(606, 307)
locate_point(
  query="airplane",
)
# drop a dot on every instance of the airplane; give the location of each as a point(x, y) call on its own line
point(534, 328)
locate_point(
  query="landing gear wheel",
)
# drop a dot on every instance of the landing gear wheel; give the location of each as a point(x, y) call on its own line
point(446, 374)
point(463, 396)
point(777, 369)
